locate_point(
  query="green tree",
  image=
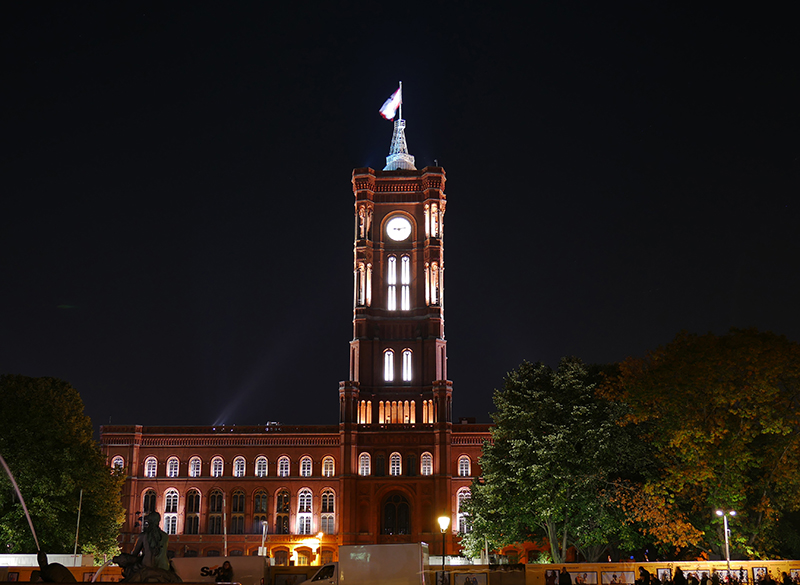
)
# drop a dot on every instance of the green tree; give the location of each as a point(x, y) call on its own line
point(549, 471)
point(723, 416)
point(47, 443)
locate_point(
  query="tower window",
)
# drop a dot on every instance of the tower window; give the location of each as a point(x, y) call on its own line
point(406, 365)
point(388, 365)
point(405, 283)
point(395, 464)
point(391, 281)
point(364, 464)
point(426, 464)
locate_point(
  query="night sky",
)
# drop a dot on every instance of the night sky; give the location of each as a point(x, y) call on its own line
point(177, 213)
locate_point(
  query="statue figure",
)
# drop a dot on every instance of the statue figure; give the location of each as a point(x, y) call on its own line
point(148, 563)
point(51, 572)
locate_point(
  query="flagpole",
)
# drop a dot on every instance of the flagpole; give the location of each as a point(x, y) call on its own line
point(401, 101)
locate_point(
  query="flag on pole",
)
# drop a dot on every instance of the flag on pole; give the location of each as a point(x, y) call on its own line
point(389, 108)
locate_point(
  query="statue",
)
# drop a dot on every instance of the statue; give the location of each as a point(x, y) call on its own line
point(148, 563)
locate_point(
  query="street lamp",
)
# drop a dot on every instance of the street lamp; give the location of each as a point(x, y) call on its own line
point(262, 551)
point(725, 515)
point(444, 522)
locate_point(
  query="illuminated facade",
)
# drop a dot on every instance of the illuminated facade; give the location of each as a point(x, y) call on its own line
point(396, 460)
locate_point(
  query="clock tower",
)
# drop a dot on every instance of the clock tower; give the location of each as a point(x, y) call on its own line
point(395, 409)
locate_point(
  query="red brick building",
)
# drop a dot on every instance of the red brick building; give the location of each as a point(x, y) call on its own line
point(395, 462)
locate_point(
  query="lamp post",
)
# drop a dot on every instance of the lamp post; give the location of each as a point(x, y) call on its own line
point(725, 515)
point(444, 522)
point(262, 551)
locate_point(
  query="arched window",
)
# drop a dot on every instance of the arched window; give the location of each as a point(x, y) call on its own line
point(283, 467)
point(328, 467)
point(195, 465)
point(118, 463)
point(217, 466)
point(238, 467)
point(406, 365)
point(237, 512)
point(391, 281)
point(304, 511)
point(463, 520)
point(260, 502)
point(388, 365)
point(405, 283)
point(396, 515)
point(305, 467)
point(364, 464)
point(172, 467)
point(426, 464)
point(191, 522)
point(215, 504)
point(171, 511)
point(282, 512)
point(464, 466)
point(395, 464)
point(328, 510)
point(149, 502)
point(261, 467)
point(150, 467)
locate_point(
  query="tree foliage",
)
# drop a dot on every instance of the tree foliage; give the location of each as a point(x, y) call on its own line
point(723, 416)
point(549, 471)
point(47, 443)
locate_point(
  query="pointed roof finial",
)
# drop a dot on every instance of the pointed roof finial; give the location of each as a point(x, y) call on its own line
point(398, 152)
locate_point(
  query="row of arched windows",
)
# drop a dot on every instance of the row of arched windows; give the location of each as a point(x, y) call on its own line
point(216, 468)
point(395, 412)
point(396, 465)
point(245, 516)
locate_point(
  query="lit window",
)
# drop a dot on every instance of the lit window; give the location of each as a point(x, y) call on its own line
point(395, 464)
point(171, 502)
point(283, 467)
point(150, 467)
point(238, 467)
point(391, 280)
point(172, 467)
point(194, 467)
point(171, 523)
point(118, 462)
point(388, 365)
point(304, 511)
point(463, 520)
point(305, 467)
point(426, 464)
point(261, 467)
point(406, 365)
point(464, 466)
point(405, 282)
point(327, 467)
point(364, 464)
point(217, 465)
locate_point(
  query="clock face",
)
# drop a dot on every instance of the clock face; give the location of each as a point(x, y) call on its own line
point(398, 228)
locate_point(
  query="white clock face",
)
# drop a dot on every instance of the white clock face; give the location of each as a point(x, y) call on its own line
point(398, 228)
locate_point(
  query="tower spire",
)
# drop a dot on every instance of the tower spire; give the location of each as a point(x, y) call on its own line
point(398, 152)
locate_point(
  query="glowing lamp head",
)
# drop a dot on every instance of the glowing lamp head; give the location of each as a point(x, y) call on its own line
point(444, 522)
point(732, 512)
point(720, 512)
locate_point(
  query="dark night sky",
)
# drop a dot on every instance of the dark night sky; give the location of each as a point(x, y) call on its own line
point(177, 210)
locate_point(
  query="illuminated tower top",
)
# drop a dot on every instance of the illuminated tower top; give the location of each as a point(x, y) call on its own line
point(398, 158)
